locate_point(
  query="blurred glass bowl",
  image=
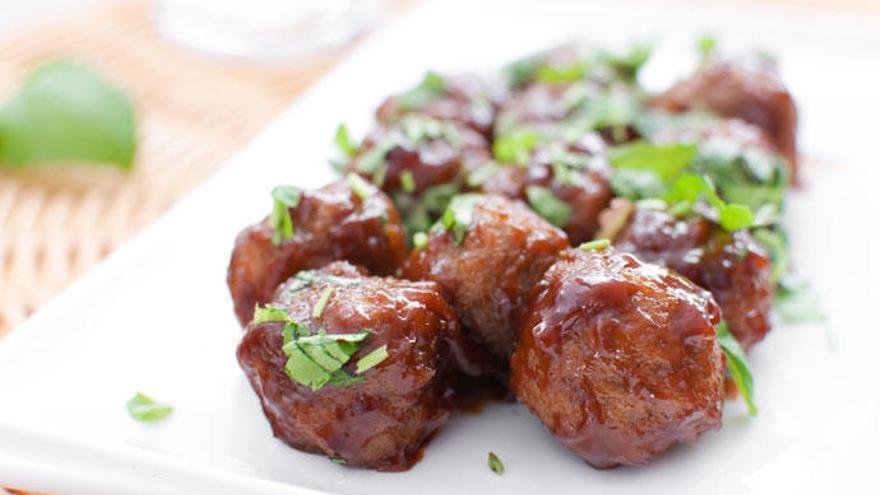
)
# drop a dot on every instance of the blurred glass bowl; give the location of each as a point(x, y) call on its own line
point(264, 29)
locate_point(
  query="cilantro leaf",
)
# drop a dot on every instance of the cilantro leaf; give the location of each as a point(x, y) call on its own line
point(737, 365)
point(559, 75)
point(285, 197)
point(515, 146)
point(495, 464)
point(432, 87)
point(372, 359)
point(420, 240)
point(689, 188)
point(361, 188)
point(594, 245)
point(546, 204)
point(66, 112)
point(664, 160)
point(459, 215)
point(143, 408)
point(344, 142)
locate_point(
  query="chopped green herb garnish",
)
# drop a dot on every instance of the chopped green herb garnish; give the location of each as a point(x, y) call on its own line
point(628, 63)
point(516, 146)
point(689, 188)
point(315, 360)
point(495, 464)
point(337, 459)
point(594, 245)
point(407, 181)
point(360, 187)
point(737, 365)
point(559, 75)
point(482, 174)
point(144, 408)
point(344, 142)
point(372, 359)
point(546, 204)
point(285, 197)
point(706, 48)
point(664, 160)
point(318, 310)
point(420, 240)
point(459, 215)
point(265, 314)
point(432, 87)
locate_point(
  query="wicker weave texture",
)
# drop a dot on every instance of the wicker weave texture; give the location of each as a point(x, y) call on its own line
point(193, 112)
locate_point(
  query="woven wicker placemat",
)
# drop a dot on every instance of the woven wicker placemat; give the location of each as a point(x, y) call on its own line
point(193, 112)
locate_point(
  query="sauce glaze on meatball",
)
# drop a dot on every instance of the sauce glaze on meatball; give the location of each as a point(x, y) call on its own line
point(382, 421)
point(618, 358)
point(733, 266)
point(576, 174)
point(504, 251)
point(468, 100)
point(331, 223)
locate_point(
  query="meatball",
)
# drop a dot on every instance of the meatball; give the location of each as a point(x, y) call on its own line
point(378, 418)
point(619, 358)
point(486, 260)
point(561, 110)
point(331, 223)
point(733, 266)
point(419, 152)
point(467, 100)
point(749, 89)
point(577, 176)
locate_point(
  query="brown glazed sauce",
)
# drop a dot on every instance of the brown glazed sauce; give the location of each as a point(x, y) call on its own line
point(331, 223)
point(618, 358)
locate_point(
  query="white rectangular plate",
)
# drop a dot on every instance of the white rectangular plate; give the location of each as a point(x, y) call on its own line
point(156, 316)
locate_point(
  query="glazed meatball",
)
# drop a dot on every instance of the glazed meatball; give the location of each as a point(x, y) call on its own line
point(331, 223)
point(429, 151)
point(619, 358)
point(575, 173)
point(378, 418)
point(733, 266)
point(487, 265)
point(467, 100)
point(749, 89)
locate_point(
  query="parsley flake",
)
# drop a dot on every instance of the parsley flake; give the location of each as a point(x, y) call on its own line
point(459, 215)
point(594, 245)
point(360, 187)
point(664, 160)
point(689, 188)
point(546, 204)
point(407, 182)
point(372, 359)
point(420, 240)
point(432, 87)
point(737, 365)
point(145, 409)
point(285, 197)
point(318, 310)
point(495, 464)
point(515, 147)
point(344, 142)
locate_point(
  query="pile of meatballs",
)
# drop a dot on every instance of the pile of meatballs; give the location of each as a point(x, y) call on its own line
point(440, 242)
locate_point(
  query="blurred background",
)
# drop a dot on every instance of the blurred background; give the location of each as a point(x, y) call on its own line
point(111, 110)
